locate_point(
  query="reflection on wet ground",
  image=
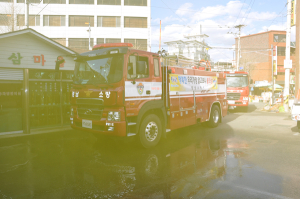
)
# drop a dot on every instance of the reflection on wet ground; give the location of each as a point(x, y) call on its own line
point(201, 163)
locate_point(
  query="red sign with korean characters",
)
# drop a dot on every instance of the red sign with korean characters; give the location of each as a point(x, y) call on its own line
point(38, 59)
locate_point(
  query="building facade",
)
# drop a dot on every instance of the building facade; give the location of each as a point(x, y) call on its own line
point(192, 48)
point(256, 55)
point(32, 94)
point(74, 23)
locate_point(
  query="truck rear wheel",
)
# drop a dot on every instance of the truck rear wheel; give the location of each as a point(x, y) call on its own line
point(214, 118)
point(150, 131)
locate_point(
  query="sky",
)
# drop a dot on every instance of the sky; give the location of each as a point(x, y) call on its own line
point(217, 18)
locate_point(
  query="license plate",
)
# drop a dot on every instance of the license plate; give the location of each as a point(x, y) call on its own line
point(231, 102)
point(87, 124)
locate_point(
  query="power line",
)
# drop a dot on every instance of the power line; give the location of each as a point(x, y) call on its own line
point(238, 14)
point(43, 8)
point(249, 10)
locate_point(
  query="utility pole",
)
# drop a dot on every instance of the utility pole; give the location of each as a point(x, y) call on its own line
point(273, 82)
point(239, 47)
point(27, 13)
point(297, 75)
point(287, 61)
point(89, 30)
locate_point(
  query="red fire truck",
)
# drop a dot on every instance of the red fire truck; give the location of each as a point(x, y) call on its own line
point(119, 91)
point(237, 84)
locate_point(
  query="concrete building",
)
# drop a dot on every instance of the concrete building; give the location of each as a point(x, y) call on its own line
point(68, 21)
point(32, 94)
point(256, 55)
point(191, 48)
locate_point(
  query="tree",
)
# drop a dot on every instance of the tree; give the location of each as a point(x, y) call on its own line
point(9, 17)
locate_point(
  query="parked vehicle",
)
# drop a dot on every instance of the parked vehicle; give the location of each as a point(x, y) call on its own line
point(237, 84)
point(125, 92)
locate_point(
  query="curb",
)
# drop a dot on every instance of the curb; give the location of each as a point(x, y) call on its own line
point(36, 132)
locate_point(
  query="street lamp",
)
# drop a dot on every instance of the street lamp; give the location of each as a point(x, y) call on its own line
point(89, 30)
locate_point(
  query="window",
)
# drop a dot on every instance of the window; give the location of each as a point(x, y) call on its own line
point(112, 40)
point(135, 22)
point(156, 67)
point(100, 40)
point(55, 1)
point(109, 21)
point(280, 51)
point(135, 2)
point(81, 21)
point(79, 44)
point(140, 44)
point(20, 20)
point(33, 20)
point(279, 38)
point(108, 40)
point(62, 41)
point(109, 2)
point(81, 1)
point(5, 19)
point(137, 67)
point(31, 1)
point(54, 20)
point(102, 70)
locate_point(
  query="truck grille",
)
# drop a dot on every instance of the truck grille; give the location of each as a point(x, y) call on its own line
point(233, 96)
point(89, 108)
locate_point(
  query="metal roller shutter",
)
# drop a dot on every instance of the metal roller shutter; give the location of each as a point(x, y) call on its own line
point(11, 74)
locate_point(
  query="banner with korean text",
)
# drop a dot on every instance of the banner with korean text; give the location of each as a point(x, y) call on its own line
point(293, 13)
point(274, 60)
point(192, 83)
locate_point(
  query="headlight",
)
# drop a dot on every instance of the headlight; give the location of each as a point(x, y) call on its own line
point(114, 116)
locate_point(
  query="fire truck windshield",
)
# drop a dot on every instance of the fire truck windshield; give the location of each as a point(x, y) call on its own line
point(240, 81)
point(103, 70)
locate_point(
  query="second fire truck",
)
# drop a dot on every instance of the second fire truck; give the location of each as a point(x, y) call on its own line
point(238, 90)
point(120, 91)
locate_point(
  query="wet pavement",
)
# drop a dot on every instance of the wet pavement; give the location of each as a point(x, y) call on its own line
point(250, 155)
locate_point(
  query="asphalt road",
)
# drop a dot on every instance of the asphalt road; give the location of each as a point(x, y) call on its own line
point(250, 155)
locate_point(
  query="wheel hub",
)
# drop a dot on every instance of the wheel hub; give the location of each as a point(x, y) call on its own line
point(216, 116)
point(151, 131)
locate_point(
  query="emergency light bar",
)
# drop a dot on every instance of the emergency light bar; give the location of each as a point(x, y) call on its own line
point(110, 45)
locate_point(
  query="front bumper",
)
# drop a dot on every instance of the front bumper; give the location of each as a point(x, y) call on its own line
point(238, 102)
point(101, 127)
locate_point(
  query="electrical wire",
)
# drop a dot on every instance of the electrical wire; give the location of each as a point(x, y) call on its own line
point(43, 8)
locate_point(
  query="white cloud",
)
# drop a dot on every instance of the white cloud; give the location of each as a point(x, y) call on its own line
point(216, 22)
point(184, 9)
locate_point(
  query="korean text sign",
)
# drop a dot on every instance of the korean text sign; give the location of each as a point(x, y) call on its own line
point(192, 83)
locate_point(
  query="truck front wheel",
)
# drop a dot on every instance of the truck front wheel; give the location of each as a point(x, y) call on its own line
point(214, 118)
point(150, 131)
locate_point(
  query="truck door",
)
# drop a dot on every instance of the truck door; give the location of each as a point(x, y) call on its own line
point(142, 83)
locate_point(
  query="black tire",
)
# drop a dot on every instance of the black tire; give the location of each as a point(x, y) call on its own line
point(150, 131)
point(214, 118)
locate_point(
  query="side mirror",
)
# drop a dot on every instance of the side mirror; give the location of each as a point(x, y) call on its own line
point(130, 69)
point(141, 67)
